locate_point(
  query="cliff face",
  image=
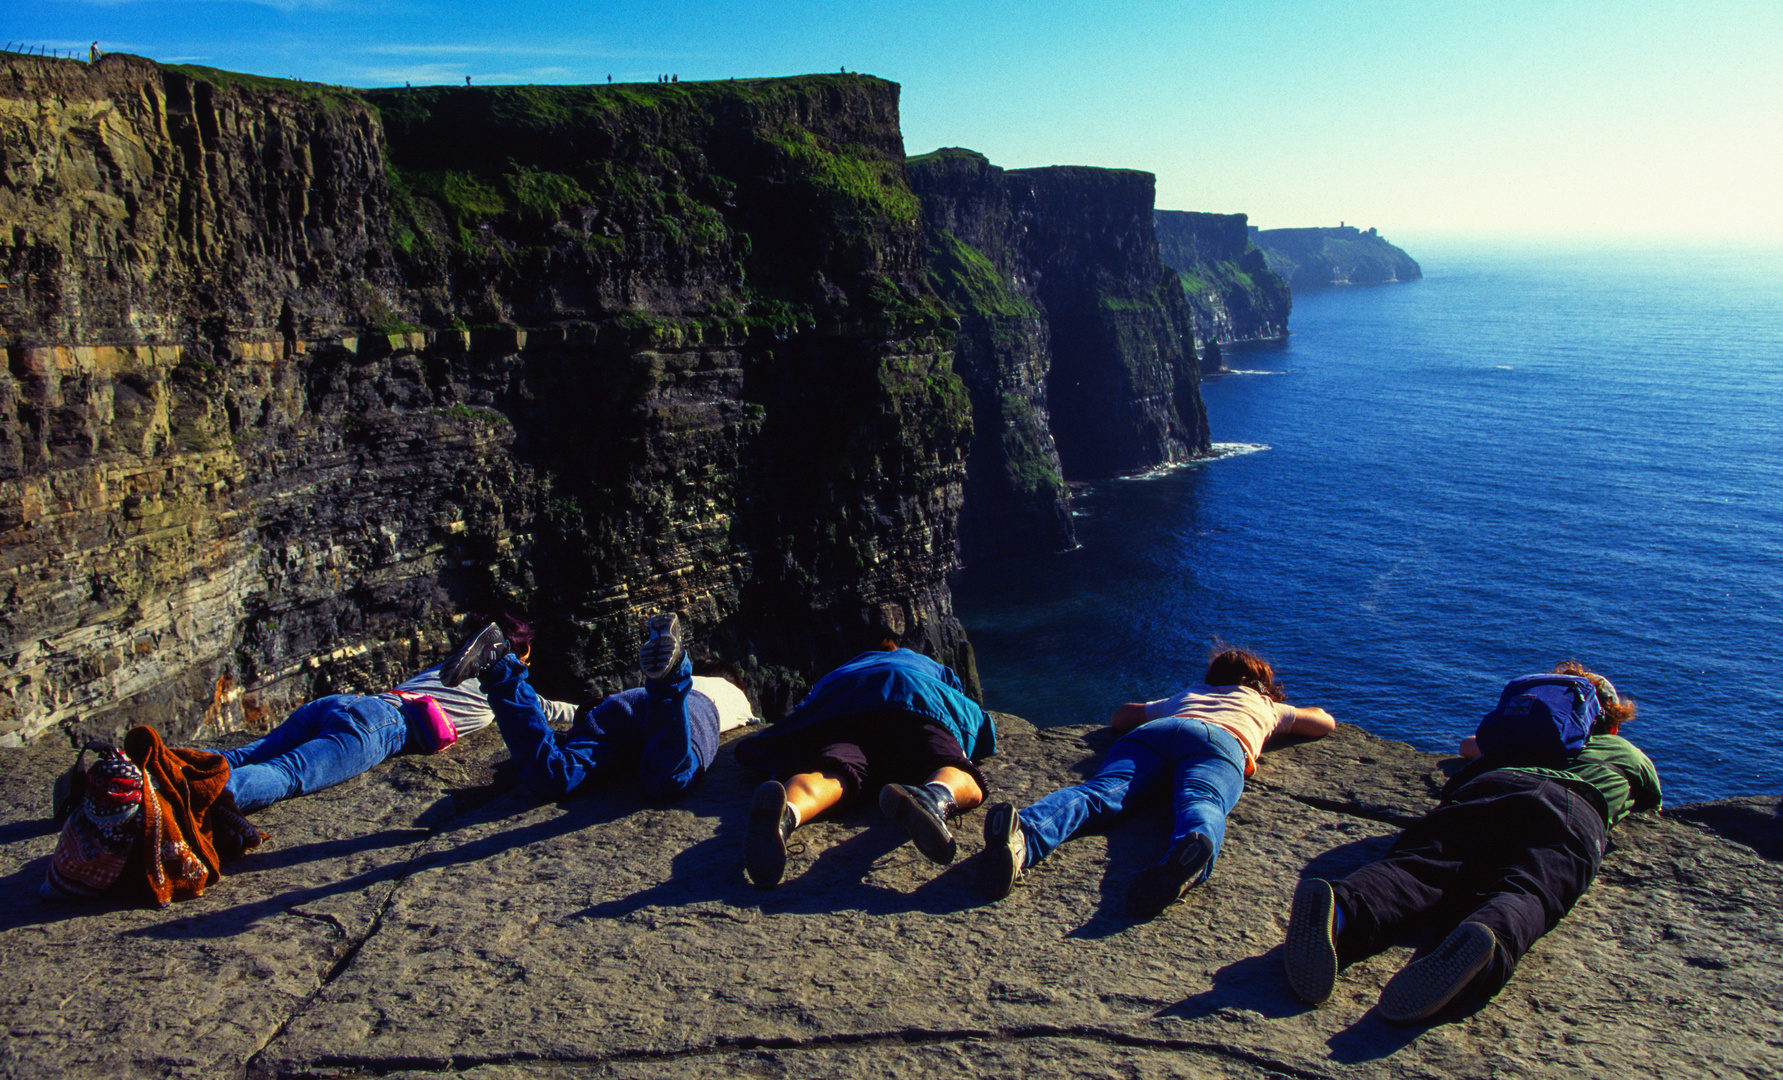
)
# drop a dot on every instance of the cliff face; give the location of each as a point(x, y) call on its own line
point(1321, 257)
point(1234, 293)
point(1076, 346)
point(1016, 498)
point(681, 355)
point(1125, 383)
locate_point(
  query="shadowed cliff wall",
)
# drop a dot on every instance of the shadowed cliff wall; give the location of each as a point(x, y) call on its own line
point(290, 383)
point(1232, 290)
point(1056, 277)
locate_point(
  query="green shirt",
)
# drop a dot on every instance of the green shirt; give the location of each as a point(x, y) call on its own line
point(1610, 769)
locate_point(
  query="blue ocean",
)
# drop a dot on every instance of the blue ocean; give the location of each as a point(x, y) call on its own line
point(1530, 455)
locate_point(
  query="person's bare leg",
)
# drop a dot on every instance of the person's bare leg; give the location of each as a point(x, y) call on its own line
point(811, 794)
point(966, 792)
point(775, 811)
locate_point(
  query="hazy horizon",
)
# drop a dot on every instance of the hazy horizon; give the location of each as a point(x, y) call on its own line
point(1636, 122)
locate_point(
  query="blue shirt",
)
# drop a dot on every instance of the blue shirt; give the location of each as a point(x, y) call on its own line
point(901, 679)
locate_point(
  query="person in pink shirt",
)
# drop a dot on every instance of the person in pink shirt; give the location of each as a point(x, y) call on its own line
point(1200, 744)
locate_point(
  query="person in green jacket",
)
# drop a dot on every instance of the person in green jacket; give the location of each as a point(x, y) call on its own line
point(1512, 845)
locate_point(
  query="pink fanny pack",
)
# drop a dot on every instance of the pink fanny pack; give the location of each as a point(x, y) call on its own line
point(426, 716)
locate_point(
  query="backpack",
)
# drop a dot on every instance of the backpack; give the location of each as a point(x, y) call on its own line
point(1540, 716)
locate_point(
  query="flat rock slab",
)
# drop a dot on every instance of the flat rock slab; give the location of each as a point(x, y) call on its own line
point(428, 918)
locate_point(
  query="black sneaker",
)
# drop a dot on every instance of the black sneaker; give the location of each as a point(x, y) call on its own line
point(917, 809)
point(1423, 987)
point(1005, 849)
point(661, 651)
point(1311, 949)
point(474, 656)
point(764, 847)
point(1157, 887)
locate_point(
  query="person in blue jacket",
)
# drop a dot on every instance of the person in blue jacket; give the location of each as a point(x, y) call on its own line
point(890, 719)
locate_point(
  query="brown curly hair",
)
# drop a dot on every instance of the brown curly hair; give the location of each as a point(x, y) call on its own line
point(1237, 667)
point(1614, 708)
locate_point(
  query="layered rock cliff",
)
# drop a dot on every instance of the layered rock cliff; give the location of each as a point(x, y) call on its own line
point(1078, 350)
point(1321, 257)
point(1234, 293)
point(295, 375)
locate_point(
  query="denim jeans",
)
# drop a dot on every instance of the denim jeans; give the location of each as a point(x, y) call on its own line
point(1202, 764)
point(319, 745)
point(671, 732)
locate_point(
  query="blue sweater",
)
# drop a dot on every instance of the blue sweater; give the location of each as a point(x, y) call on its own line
point(902, 679)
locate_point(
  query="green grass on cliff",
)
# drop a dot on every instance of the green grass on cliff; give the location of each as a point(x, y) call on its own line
point(967, 280)
point(332, 99)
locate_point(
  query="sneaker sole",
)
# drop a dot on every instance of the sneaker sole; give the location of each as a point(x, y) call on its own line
point(1002, 863)
point(471, 658)
point(1157, 887)
point(1423, 987)
point(931, 837)
point(1311, 951)
point(764, 852)
point(660, 651)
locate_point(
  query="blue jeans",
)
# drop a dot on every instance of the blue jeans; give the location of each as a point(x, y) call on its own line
point(672, 733)
point(1203, 764)
point(319, 745)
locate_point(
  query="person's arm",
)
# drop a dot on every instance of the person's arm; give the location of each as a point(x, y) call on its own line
point(1470, 748)
point(1128, 716)
point(1312, 722)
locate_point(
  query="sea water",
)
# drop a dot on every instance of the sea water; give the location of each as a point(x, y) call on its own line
point(1530, 455)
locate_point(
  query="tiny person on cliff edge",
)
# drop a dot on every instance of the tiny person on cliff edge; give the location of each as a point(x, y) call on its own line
point(1515, 840)
point(892, 721)
point(1199, 745)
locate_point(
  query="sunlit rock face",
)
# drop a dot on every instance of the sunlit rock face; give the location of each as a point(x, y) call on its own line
point(295, 375)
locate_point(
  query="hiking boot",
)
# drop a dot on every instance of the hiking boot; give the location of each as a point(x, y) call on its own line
point(475, 655)
point(1423, 987)
point(661, 651)
point(921, 812)
point(771, 821)
point(1311, 949)
point(1005, 849)
point(1157, 887)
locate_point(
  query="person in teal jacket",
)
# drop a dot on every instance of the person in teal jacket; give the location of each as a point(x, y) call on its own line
point(890, 719)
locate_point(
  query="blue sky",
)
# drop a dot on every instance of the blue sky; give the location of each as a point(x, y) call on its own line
point(1635, 121)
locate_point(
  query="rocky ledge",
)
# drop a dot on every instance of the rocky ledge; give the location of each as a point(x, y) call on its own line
point(428, 919)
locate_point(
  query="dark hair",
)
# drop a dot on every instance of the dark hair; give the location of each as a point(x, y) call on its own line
point(1611, 714)
point(1236, 667)
point(517, 630)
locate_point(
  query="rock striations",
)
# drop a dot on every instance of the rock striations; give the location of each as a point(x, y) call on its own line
point(1321, 257)
point(295, 374)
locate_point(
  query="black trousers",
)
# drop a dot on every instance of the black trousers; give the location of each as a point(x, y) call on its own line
point(1511, 850)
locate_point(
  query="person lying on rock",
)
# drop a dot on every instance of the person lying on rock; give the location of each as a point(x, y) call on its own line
point(1198, 745)
point(335, 738)
point(890, 720)
point(667, 729)
point(1512, 844)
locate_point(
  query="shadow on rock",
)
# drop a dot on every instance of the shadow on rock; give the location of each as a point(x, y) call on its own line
point(1370, 1039)
point(1756, 823)
point(578, 814)
point(1256, 984)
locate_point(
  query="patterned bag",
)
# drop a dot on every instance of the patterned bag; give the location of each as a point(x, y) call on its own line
point(103, 826)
